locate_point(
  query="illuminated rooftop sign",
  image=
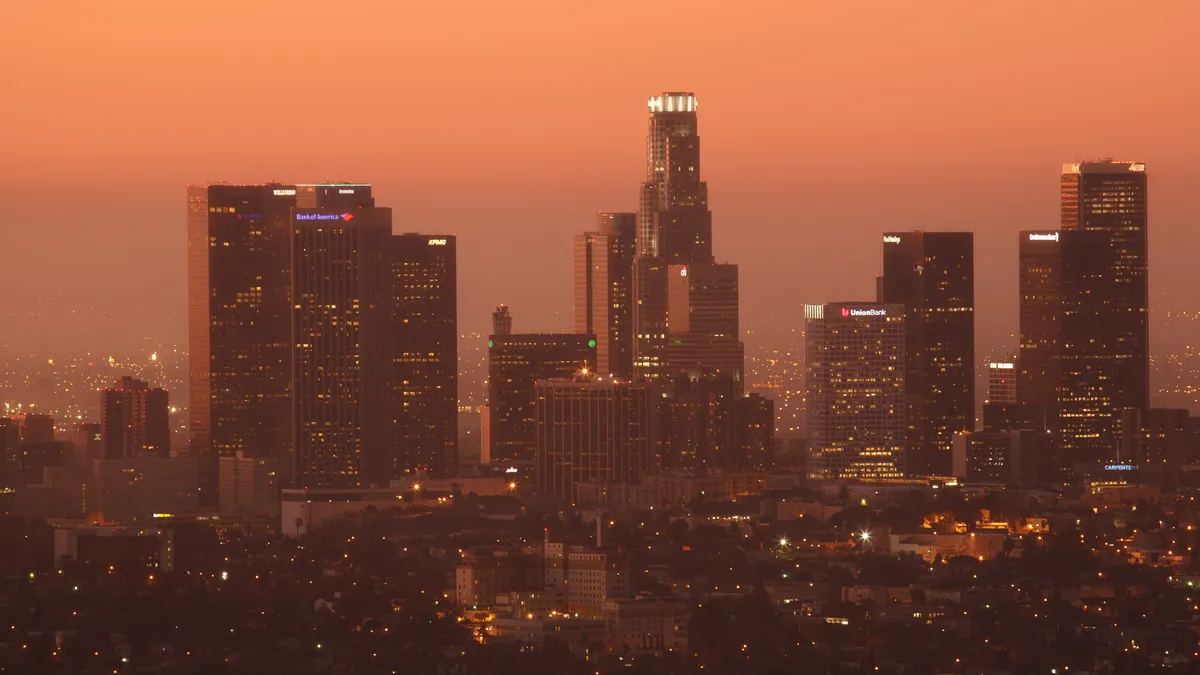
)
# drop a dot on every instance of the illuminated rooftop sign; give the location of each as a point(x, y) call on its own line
point(437, 242)
point(890, 239)
point(1002, 366)
point(1047, 236)
point(674, 103)
point(346, 191)
point(283, 192)
point(852, 312)
point(324, 216)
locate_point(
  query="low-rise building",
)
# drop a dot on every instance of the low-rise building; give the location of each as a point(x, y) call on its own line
point(658, 624)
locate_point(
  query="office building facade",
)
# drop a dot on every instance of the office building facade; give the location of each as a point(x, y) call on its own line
point(1040, 280)
point(135, 420)
point(592, 429)
point(1002, 383)
point(932, 275)
point(856, 390)
point(604, 290)
point(1105, 304)
point(425, 344)
point(341, 356)
point(515, 363)
point(240, 318)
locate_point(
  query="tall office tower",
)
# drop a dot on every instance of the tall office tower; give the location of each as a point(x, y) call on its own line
point(240, 318)
point(135, 420)
point(649, 318)
point(37, 429)
point(604, 290)
point(591, 429)
point(1105, 304)
point(674, 225)
point(342, 357)
point(1040, 318)
point(515, 363)
point(88, 438)
point(702, 335)
point(501, 321)
point(425, 352)
point(1002, 383)
point(856, 390)
point(932, 274)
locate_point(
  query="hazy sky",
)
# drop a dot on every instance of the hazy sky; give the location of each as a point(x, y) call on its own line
point(511, 123)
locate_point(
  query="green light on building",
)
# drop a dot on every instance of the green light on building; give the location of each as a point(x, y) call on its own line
point(489, 344)
point(591, 343)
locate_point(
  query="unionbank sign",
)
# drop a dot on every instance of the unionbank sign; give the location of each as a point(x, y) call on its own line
point(852, 312)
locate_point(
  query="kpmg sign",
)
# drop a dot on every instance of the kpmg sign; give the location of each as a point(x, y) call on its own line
point(437, 242)
point(324, 216)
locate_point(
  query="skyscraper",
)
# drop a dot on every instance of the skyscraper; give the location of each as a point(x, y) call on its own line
point(240, 318)
point(702, 332)
point(604, 290)
point(856, 390)
point(515, 363)
point(932, 275)
point(1105, 304)
point(425, 342)
point(342, 357)
point(1040, 318)
point(674, 225)
point(135, 420)
point(591, 429)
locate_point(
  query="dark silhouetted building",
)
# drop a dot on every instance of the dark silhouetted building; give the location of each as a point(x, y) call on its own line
point(88, 438)
point(135, 420)
point(1018, 458)
point(501, 321)
point(754, 433)
point(932, 274)
point(1040, 282)
point(10, 452)
point(342, 358)
point(425, 343)
point(1105, 305)
point(592, 429)
point(515, 363)
point(604, 290)
point(37, 429)
point(240, 318)
point(855, 390)
point(702, 310)
point(1160, 442)
point(1016, 416)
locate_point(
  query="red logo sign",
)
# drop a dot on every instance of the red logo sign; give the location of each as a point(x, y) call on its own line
point(347, 216)
point(845, 311)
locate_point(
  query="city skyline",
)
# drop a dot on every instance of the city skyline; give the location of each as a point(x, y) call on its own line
point(773, 201)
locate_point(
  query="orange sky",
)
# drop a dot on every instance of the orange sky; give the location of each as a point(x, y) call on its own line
point(511, 123)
